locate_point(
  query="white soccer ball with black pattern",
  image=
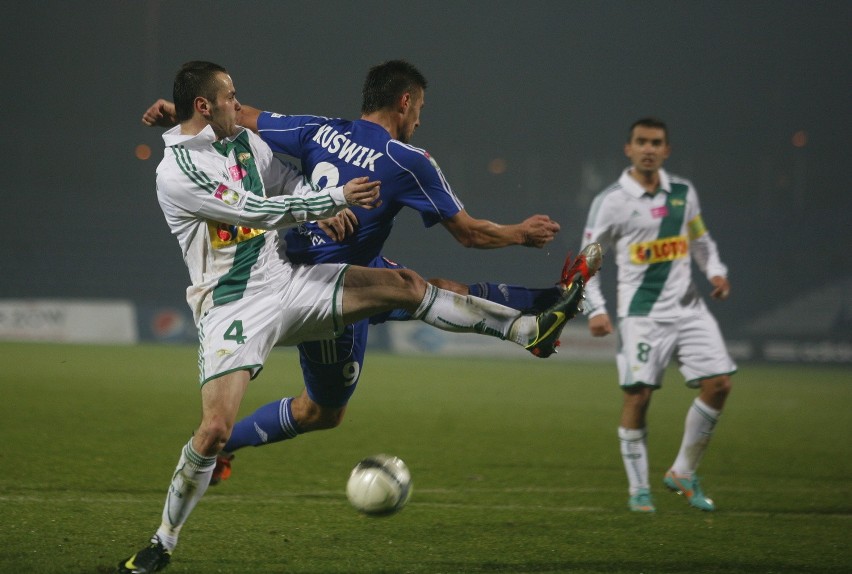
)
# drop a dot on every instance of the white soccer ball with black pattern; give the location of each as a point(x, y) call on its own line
point(379, 485)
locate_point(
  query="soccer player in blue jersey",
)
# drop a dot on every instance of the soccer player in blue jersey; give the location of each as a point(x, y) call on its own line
point(223, 195)
point(376, 145)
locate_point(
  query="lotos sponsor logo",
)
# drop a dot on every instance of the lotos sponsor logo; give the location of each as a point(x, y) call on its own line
point(659, 250)
point(224, 234)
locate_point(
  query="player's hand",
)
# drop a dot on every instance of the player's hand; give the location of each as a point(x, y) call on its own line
point(600, 325)
point(362, 192)
point(340, 226)
point(160, 114)
point(538, 230)
point(721, 287)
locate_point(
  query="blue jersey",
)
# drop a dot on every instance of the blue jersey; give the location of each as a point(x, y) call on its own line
point(332, 152)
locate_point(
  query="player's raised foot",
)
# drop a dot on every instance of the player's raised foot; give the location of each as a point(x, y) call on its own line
point(223, 468)
point(641, 501)
point(585, 265)
point(152, 558)
point(551, 322)
point(690, 487)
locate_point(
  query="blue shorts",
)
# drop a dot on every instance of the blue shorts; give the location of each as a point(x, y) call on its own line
point(331, 368)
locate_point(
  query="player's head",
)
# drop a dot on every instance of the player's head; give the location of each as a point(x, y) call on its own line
point(647, 144)
point(387, 82)
point(649, 122)
point(206, 88)
point(395, 86)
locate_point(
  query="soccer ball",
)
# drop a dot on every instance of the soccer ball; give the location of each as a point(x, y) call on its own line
point(379, 485)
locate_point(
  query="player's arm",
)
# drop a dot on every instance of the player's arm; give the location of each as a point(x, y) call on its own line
point(162, 114)
point(240, 207)
point(340, 226)
point(199, 191)
point(247, 117)
point(721, 287)
point(704, 250)
point(535, 231)
point(598, 229)
point(600, 325)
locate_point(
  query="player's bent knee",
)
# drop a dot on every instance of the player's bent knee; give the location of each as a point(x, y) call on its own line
point(720, 385)
point(211, 436)
point(411, 278)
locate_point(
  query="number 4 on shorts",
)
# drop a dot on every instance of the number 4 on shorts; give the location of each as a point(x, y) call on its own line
point(235, 332)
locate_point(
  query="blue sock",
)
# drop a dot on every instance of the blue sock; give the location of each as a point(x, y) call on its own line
point(527, 301)
point(270, 423)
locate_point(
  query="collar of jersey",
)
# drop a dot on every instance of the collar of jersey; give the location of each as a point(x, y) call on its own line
point(632, 186)
point(204, 138)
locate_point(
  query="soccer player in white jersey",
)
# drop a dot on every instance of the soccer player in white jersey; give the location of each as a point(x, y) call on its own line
point(222, 191)
point(653, 221)
point(376, 145)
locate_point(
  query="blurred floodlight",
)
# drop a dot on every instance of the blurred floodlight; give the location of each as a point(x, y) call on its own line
point(143, 152)
point(497, 166)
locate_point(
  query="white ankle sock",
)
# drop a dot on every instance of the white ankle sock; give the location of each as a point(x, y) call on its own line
point(697, 431)
point(467, 314)
point(634, 453)
point(189, 483)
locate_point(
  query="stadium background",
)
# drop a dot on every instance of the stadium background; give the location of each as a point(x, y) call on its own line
point(526, 112)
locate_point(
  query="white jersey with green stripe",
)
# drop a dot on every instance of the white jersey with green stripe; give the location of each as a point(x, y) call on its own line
point(655, 238)
point(220, 199)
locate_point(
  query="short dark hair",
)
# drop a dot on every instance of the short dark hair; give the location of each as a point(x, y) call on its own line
point(194, 79)
point(648, 122)
point(387, 82)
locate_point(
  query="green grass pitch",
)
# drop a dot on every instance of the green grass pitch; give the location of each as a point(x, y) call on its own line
point(515, 466)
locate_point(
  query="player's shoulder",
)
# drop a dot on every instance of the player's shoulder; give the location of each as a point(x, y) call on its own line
point(611, 192)
point(411, 156)
point(274, 123)
point(296, 118)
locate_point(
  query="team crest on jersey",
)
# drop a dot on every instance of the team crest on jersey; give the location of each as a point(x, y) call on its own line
point(659, 250)
point(227, 195)
point(244, 157)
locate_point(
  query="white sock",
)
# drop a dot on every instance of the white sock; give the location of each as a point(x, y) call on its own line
point(634, 453)
point(189, 483)
point(697, 430)
point(467, 314)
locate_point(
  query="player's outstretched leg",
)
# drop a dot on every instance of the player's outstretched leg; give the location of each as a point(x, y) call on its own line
point(574, 278)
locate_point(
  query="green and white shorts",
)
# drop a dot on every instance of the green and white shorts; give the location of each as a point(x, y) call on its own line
point(300, 303)
point(646, 346)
